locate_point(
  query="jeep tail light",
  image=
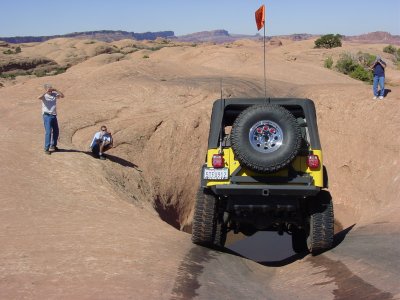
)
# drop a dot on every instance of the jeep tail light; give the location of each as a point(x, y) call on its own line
point(313, 161)
point(218, 161)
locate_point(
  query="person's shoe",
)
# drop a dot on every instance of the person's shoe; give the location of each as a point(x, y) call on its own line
point(380, 97)
point(46, 151)
point(102, 157)
point(54, 148)
point(374, 98)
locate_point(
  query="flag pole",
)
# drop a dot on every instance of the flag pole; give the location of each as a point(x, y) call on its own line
point(265, 73)
point(260, 21)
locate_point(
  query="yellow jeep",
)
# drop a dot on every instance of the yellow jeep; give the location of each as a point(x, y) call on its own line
point(263, 172)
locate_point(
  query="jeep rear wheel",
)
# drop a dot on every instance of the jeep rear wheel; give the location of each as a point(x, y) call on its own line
point(320, 237)
point(206, 230)
point(265, 138)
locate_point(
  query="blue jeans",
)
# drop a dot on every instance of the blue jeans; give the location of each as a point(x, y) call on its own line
point(51, 131)
point(381, 81)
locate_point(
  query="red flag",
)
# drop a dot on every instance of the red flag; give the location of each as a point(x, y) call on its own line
point(260, 17)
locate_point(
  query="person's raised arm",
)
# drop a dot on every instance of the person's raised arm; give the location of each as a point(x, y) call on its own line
point(41, 97)
point(382, 63)
point(59, 93)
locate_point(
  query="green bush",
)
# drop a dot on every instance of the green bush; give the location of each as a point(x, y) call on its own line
point(328, 62)
point(40, 73)
point(389, 49)
point(346, 63)
point(365, 59)
point(356, 66)
point(16, 51)
point(362, 74)
point(329, 41)
point(7, 76)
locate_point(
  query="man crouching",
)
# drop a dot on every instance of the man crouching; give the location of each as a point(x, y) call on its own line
point(102, 141)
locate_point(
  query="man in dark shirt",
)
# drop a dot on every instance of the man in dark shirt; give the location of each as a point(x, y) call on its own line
point(379, 77)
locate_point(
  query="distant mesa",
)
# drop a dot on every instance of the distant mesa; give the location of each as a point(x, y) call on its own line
point(214, 36)
point(220, 36)
point(377, 37)
point(101, 35)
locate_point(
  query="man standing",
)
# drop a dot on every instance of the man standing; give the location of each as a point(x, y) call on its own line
point(49, 112)
point(379, 77)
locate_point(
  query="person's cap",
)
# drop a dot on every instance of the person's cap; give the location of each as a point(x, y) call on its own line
point(378, 57)
point(47, 86)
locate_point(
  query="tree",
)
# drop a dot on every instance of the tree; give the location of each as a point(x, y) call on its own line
point(329, 41)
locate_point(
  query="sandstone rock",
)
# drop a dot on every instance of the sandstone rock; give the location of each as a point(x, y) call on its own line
point(275, 42)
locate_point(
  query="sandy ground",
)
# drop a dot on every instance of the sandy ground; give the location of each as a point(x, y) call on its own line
point(73, 227)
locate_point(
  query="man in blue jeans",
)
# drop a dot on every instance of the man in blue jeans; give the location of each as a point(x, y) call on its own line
point(379, 77)
point(49, 112)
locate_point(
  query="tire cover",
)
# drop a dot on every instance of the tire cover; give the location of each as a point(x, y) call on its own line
point(265, 138)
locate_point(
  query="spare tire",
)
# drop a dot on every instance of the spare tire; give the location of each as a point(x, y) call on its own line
point(265, 138)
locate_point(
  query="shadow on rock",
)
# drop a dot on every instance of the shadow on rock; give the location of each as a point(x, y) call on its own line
point(112, 158)
point(348, 285)
point(340, 236)
point(189, 271)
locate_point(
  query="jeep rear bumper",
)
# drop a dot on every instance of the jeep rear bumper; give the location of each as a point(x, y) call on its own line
point(265, 190)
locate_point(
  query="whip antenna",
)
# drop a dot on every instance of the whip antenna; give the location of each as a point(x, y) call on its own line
point(260, 21)
point(221, 134)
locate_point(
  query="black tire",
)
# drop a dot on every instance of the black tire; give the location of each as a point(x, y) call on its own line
point(321, 230)
point(204, 226)
point(220, 234)
point(265, 155)
point(299, 240)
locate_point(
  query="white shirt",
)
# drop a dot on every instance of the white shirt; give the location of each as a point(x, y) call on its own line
point(106, 137)
point(49, 102)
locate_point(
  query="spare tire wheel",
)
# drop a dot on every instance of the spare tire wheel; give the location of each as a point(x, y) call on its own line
point(265, 138)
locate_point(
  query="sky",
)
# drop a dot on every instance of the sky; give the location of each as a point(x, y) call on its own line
point(51, 17)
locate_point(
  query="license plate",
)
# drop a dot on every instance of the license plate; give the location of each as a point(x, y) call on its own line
point(215, 174)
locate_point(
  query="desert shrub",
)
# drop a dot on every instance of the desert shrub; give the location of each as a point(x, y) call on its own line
point(40, 73)
point(365, 59)
point(60, 70)
point(329, 41)
point(18, 50)
point(362, 74)
point(389, 49)
point(356, 66)
point(346, 63)
point(155, 48)
point(328, 62)
point(146, 56)
point(7, 76)
point(8, 51)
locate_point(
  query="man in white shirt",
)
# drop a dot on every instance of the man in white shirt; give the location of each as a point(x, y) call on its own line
point(102, 141)
point(49, 112)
